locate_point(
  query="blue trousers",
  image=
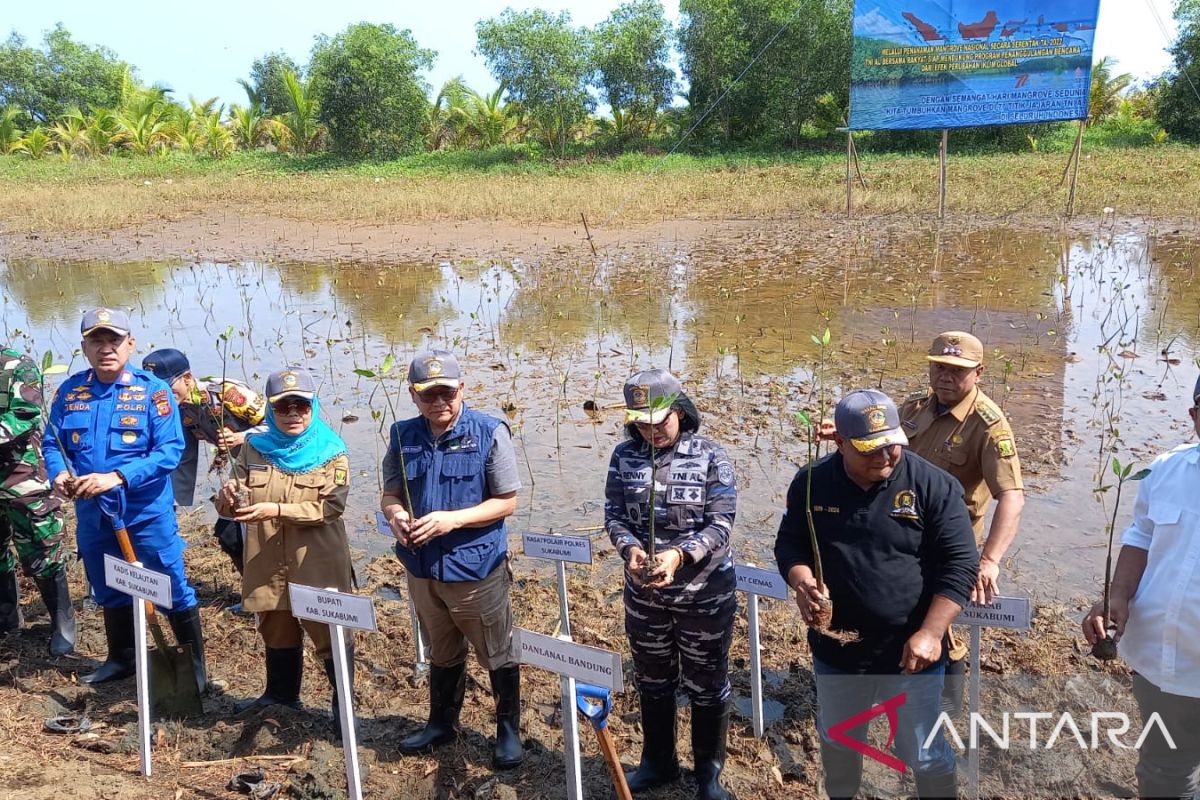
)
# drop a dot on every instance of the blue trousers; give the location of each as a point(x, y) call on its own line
point(841, 695)
point(156, 543)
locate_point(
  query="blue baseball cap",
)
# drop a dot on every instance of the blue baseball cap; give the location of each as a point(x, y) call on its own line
point(869, 419)
point(105, 319)
point(167, 364)
point(431, 368)
point(291, 382)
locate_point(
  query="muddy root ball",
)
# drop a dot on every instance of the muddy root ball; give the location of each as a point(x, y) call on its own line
point(1105, 649)
point(823, 617)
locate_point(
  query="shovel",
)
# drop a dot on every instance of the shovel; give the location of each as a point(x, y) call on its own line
point(597, 714)
point(173, 689)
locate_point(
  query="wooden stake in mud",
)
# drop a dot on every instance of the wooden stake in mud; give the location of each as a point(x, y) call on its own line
point(589, 234)
point(942, 153)
point(1075, 153)
point(849, 180)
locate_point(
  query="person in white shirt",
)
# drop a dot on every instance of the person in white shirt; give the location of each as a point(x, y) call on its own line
point(1154, 614)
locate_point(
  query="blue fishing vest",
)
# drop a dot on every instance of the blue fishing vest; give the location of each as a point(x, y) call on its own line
point(448, 476)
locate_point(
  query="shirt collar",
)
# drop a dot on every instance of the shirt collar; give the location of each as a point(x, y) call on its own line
point(452, 430)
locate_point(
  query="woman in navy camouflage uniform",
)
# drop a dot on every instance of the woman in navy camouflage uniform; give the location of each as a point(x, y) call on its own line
point(679, 612)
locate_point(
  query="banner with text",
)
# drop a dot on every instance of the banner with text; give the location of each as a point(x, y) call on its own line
point(955, 63)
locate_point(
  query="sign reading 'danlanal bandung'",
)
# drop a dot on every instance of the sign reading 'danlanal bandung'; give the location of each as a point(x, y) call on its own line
point(764, 582)
point(332, 607)
point(1002, 612)
point(576, 549)
point(579, 661)
point(137, 581)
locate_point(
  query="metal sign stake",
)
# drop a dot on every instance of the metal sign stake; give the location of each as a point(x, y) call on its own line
point(973, 708)
point(756, 691)
point(570, 721)
point(141, 668)
point(341, 673)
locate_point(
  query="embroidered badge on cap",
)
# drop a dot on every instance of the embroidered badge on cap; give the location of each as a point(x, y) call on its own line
point(103, 315)
point(876, 419)
point(289, 379)
point(433, 367)
point(904, 504)
point(641, 396)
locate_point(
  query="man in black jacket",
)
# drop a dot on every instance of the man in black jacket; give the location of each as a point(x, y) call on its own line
point(899, 562)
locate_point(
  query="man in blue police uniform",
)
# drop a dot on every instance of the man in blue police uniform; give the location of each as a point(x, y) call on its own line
point(459, 468)
point(114, 431)
point(899, 562)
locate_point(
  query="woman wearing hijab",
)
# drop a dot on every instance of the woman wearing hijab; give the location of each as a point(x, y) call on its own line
point(679, 610)
point(296, 474)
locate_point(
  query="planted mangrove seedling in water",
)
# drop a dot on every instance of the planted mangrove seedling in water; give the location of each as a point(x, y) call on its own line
point(1106, 649)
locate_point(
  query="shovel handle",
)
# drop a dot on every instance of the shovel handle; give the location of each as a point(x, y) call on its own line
point(131, 557)
point(609, 751)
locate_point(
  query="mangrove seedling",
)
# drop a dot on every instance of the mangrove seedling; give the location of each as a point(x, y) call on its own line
point(1106, 649)
point(380, 375)
point(656, 404)
point(823, 618)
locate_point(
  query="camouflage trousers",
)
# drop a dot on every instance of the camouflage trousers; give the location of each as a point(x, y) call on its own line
point(30, 514)
point(681, 642)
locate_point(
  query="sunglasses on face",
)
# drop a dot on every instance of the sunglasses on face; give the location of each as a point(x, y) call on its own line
point(291, 406)
point(443, 393)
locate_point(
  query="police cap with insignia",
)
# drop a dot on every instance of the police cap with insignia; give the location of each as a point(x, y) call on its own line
point(869, 419)
point(105, 319)
point(957, 349)
point(649, 389)
point(291, 382)
point(167, 364)
point(431, 368)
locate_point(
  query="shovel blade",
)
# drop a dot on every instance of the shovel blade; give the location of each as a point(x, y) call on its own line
point(173, 689)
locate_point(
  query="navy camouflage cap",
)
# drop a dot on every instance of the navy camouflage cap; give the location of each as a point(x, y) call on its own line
point(167, 364)
point(869, 419)
point(105, 319)
point(290, 382)
point(431, 368)
point(649, 389)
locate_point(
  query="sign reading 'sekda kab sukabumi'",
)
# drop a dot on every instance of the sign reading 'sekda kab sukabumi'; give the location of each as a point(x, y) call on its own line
point(954, 63)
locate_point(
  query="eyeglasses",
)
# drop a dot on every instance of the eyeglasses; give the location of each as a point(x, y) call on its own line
point(291, 406)
point(443, 393)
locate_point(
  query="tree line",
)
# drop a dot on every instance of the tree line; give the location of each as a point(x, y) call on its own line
point(769, 74)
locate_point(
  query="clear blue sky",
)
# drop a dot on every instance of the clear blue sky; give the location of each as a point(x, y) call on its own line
point(202, 49)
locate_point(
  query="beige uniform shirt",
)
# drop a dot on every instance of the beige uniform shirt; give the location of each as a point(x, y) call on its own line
point(306, 544)
point(972, 441)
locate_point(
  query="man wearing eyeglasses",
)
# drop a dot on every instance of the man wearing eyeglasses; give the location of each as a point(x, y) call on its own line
point(957, 427)
point(449, 481)
point(114, 434)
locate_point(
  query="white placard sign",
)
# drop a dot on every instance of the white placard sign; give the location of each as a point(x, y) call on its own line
point(1002, 612)
point(554, 546)
point(579, 661)
point(137, 581)
point(332, 607)
point(763, 582)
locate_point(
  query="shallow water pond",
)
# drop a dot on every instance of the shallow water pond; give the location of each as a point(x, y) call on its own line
point(1091, 346)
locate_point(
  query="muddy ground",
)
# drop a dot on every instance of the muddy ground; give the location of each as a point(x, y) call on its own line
point(196, 758)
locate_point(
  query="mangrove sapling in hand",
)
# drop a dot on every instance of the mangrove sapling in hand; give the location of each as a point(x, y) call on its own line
point(822, 618)
point(1106, 649)
point(380, 375)
point(656, 404)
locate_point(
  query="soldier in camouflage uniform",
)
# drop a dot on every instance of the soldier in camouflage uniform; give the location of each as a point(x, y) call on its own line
point(30, 515)
point(679, 613)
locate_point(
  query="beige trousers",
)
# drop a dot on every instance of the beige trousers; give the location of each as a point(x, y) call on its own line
point(479, 612)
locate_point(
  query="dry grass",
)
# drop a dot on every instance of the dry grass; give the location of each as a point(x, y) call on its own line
point(58, 197)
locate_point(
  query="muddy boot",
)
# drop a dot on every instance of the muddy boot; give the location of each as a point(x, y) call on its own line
point(937, 787)
point(118, 630)
point(843, 771)
point(331, 674)
point(62, 614)
point(660, 763)
point(506, 688)
point(447, 686)
point(186, 625)
point(10, 604)
point(710, 729)
point(953, 685)
point(285, 670)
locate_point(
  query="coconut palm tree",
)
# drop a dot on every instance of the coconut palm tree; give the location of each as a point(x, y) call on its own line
point(1105, 97)
point(102, 132)
point(10, 131)
point(489, 119)
point(69, 134)
point(444, 117)
point(301, 121)
point(147, 120)
point(34, 144)
point(218, 141)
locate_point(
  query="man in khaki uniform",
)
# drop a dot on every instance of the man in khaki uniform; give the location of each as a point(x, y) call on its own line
point(958, 428)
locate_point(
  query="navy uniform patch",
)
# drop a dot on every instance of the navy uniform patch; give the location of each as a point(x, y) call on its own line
point(904, 505)
point(725, 473)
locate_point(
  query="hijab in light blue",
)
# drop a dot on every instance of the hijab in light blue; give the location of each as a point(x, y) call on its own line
point(304, 452)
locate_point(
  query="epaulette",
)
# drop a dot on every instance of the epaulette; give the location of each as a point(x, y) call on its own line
point(915, 397)
point(988, 412)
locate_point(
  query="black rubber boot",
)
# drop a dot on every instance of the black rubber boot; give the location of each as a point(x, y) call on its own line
point(843, 771)
point(118, 630)
point(10, 603)
point(186, 625)
point(57, 598)
point(710, 729)
point(937, 787)
point(506, 688)
point(285, 670)
point(660, 763)
point(447, 686)
point(953, 685)
point(331, 673)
